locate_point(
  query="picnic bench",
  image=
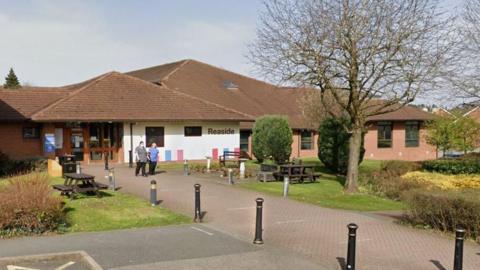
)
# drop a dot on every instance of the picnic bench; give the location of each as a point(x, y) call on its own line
point(233, 156)
point(79, 183)
point(297, 173)
point(267, 172)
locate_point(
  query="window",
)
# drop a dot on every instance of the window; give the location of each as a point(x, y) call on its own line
point(244, 135)
point(31, 133)
point(193, 131)
point(306, 140)
point(412, 133)
point(154, 135)
point(384, 139)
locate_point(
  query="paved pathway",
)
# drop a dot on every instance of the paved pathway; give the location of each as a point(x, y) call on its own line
point(172, 247)
point(318, 233)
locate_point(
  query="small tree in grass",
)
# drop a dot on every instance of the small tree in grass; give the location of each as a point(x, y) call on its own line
point(11, 81)
point(440, 133)
point(466, 134)
point(333, 146)
point(272, 137)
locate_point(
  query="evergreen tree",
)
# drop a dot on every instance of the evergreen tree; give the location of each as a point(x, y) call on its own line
point(11, 81)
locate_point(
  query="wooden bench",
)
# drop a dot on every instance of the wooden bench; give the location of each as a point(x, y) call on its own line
point(233, 156)
point(297, 173)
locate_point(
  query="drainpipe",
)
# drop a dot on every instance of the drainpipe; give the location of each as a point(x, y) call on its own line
point(130, 153)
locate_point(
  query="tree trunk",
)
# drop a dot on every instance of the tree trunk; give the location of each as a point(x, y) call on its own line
point(355, 143)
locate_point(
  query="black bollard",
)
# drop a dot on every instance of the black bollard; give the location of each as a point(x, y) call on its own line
point(352, 236)
point(198, 211)
point(153, 193)
point(106, 161)
point(258, 224)
point(130, 159)
point(458, 259)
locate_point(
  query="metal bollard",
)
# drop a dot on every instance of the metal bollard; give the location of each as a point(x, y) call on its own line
point(258, 224)
point(286, 183)
point(185, 168)
point(458, 259)
point(242, 169)
point(78, 169)
point(106, 161)
point(130, 159)
point(111, 179)
point(153, 193)
point(352, 236)
point(198, 211)
point(230, 176)
point(209, 164)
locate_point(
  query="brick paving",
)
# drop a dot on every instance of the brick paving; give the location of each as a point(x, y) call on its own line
point(318, 233)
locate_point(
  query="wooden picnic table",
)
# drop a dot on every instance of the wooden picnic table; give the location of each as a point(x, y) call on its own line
point(298, 172)
point(79, 183)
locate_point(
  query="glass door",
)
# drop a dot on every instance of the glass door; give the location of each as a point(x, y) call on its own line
point(77, 143)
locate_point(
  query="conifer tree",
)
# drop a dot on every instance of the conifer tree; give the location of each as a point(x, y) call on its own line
point(11, 81)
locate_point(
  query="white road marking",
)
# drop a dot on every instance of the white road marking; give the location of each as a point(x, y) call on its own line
point(14, 267)
point(290, 221)
point(240, 208)
point(65, 266)
point(203, 231)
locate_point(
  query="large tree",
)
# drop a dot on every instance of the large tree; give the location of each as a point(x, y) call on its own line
point(369, 56)
point(11, 81)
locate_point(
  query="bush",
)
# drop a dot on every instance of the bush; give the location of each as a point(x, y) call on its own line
point(333, 145)
point(272, 137)
point(10, 167)
point(388, 180)
point(27, 206)
point(452, 166)
point(445, 181)
point(444, 211)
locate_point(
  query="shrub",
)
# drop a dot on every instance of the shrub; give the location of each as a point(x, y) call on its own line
point(10, 167)
point(399, 167)
point(27, 206)
point(272, 137)
point(444, 210)
point(452, 166)
point(444, 181)
point(333, 145)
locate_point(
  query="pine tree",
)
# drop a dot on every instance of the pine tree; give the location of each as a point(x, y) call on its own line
point(11, 81)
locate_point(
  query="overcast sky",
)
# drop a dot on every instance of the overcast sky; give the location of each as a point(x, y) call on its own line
point(51, 43)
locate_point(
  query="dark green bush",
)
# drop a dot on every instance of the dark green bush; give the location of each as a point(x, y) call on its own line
point(444, 210)
point(13, 167)
point(272, 138)
point(452, 166)
point(471, 156)
point(333, 145)
point(399, 167)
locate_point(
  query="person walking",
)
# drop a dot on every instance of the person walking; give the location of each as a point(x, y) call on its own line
point(153, 156)
point(141, 159)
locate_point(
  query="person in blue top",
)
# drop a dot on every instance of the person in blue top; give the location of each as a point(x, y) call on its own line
point(153, 157)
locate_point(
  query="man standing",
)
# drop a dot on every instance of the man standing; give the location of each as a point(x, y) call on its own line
point(141, 159)
point(153, 153)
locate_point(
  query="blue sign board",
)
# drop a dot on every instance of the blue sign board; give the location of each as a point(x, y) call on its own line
point(49, 143)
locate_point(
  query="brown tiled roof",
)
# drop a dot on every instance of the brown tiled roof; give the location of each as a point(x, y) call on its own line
point(474, 114)
point(251, 96)
point(116, 97)
point(20, 104)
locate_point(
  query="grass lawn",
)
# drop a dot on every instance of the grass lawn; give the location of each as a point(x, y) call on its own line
point(328, 191)
point(115, 210)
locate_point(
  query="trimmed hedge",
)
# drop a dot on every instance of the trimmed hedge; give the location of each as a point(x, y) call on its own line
point(9, 167)
point(452, 166)
point(444, 210)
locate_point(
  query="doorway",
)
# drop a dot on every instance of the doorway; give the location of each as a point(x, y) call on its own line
point(77, 143)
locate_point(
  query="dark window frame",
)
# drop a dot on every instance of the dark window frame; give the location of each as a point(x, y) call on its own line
point(159, 139)
point(412, 142)
point(244, 140)
point(303, 142)
point(193, 131)
point(36, 132)
point(382, 141)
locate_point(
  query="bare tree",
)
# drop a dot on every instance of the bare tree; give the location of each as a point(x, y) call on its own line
point(370, 56)
point(466, 75)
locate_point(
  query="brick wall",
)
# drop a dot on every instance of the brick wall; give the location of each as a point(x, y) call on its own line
point(14, 145)
point(296, 146)
point(398, 150)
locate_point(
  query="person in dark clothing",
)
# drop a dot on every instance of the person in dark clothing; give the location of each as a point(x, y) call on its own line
point(153, 157)
point(141, 159)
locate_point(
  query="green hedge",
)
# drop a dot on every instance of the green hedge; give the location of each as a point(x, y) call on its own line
point(444, 210)
point(453, 166)
point(10, 167)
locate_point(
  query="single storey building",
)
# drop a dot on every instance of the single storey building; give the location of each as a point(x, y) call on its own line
point(189, 109)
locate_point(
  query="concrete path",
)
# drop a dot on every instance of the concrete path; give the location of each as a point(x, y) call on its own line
point(318, 233)
point(174, 247)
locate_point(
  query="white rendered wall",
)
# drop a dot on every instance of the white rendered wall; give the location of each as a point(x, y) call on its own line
point(193, 148)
